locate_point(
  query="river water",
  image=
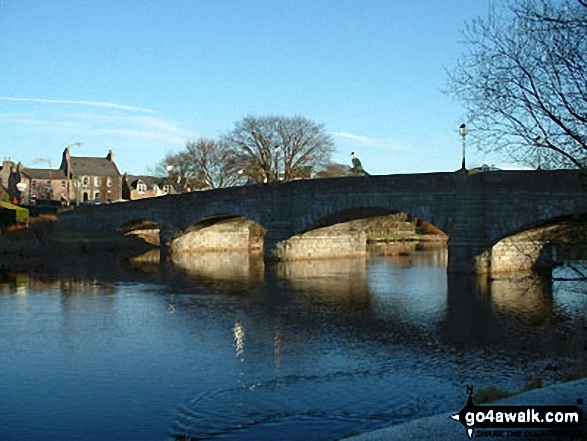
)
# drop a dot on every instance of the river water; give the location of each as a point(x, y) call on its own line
point(218, 346)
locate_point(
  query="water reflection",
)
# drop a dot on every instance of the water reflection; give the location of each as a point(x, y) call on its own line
point(241, 269)
point(405, 254)
point(239, 340)
point(528, 296)
point(341, 282)
point(408, 287)
point(310, 347)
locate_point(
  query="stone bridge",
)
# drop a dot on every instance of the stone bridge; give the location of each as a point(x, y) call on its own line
point(474, 210)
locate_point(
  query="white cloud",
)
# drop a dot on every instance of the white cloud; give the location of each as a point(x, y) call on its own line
point(358, 138)
point(45, 123)
point(160, 136)
point(158, 124)
point(83, 103)
point(370, 142)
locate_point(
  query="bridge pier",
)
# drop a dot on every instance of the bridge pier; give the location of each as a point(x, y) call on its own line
point(167, 233)
point(467, 244)
point(467, 258)
point(276, 232)
point(475, 210)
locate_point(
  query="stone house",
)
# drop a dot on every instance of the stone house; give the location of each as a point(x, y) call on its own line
point(92, 179)
point(77, 180)
point(42, 185)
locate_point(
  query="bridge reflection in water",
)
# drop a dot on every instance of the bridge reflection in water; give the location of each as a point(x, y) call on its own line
point(408, 290)
point(217, 340)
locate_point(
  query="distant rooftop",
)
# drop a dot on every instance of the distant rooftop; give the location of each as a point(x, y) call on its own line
point(43, 173)
point(92, 166)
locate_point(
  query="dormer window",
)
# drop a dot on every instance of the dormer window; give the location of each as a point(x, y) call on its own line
point(141, 187)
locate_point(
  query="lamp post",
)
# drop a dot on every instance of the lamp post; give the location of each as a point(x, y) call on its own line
point(539, 142)
point(463, 133)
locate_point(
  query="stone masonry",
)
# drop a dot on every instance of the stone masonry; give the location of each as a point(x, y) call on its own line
point(476, 211)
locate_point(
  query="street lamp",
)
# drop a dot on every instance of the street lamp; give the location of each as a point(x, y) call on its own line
point(463, 132)
point(539, 142)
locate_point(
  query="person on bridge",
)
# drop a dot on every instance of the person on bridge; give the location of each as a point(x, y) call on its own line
point(357, 168)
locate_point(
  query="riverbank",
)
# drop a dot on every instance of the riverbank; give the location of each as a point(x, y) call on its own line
point(442, 427)
point(45, 239)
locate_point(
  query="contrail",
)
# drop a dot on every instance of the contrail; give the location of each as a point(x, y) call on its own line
point(83, 103)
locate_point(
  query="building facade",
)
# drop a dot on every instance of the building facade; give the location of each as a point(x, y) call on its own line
point(93, 179)
point(78, 180)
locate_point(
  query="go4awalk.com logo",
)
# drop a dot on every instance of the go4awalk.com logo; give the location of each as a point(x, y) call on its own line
point(522, 421)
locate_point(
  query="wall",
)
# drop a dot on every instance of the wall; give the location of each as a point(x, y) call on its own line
point(475, 211)
point(539, 249)
point(341, 240)
point(234, 234)
point(55, 191)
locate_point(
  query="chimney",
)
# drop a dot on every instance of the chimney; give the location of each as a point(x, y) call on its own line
point(110, 156)
point(65, 163)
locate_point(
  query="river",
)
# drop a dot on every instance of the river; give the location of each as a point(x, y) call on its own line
point(218, 346)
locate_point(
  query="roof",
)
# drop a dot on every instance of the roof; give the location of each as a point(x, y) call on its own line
point(87, 166)
point(43, 173)
point(148, 180)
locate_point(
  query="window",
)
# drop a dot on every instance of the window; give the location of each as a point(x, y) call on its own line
point(33, 183)
point(141, 187)
point(86, 180)
point(97, 196)
point(97, 181)
point(109, 197)
point(167, 188)
point(109, 181)
point(63, 184)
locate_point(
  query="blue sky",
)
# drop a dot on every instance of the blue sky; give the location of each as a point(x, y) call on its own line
point(142, 77)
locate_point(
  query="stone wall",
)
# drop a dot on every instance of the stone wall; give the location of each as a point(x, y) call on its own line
point(473, 210)
point(150, 235)
point(341, 240)
point(346, 239)
point(234, 234)
point(539, 249)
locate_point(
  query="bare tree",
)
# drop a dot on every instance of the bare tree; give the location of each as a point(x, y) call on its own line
point(276, 147)
point(523, 80)
point(212, 163)
point(174, 170)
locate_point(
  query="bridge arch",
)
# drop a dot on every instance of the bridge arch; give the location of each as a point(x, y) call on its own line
point(318, 217)
point(474, 210)
point(143, 228)
point(540, 245)
point(345, 233)
point(219, 232)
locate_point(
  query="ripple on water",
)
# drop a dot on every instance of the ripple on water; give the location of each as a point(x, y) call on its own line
point(310, 405)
